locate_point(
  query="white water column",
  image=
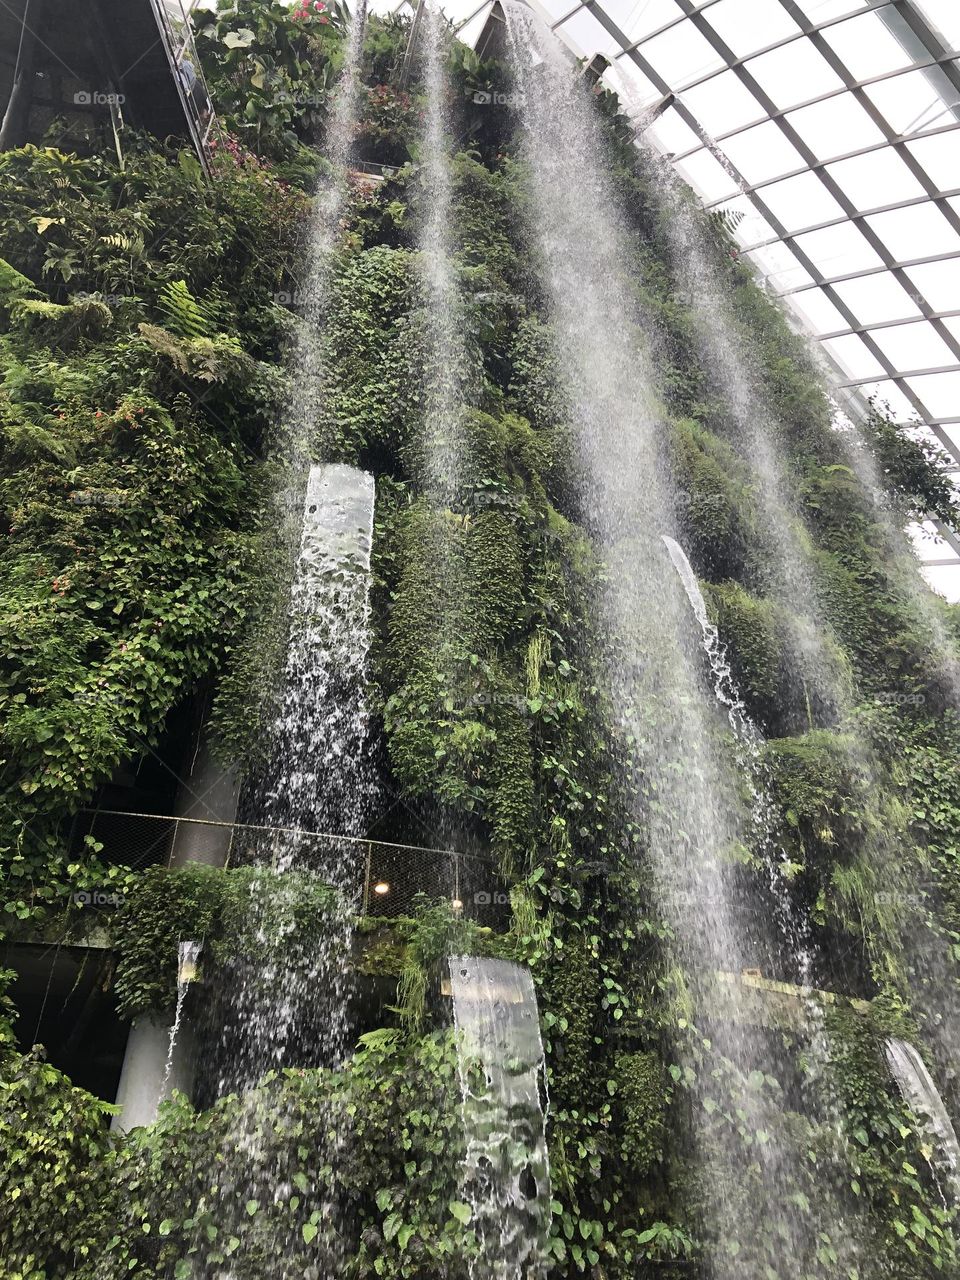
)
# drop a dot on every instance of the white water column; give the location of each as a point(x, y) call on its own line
point(336, 538)
point(506, 1172)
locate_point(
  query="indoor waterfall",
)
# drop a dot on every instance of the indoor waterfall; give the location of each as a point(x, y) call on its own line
point(923, 1098)
point(904, 896)
point(655, 677)
point(506, 1172)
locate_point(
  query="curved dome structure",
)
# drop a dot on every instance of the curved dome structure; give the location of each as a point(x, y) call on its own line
point(825, 131)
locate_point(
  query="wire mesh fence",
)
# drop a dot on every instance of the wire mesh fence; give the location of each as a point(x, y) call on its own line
point(382, 878)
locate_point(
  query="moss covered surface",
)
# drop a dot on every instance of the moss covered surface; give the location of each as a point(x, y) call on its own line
point(492, 717)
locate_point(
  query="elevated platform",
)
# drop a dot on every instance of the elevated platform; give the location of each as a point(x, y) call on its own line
point(99, 65)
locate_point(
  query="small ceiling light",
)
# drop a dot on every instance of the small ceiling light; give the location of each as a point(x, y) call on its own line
point(381, 887)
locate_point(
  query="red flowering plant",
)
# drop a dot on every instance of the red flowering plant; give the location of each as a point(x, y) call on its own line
point(269, 69)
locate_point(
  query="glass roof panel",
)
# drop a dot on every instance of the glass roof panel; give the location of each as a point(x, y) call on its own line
point(867, 46)
point(672, 133)
point(818, 312)
point(638, 18)
point(914, 346)
point(824, 10)
point(749, 25)
point(802, 201)
point(723, 103)
point(795, 73)
point(910, 102)
point(940, 392)
point(879, 178)
point(626, 78)
point(915, 232)
point(763, 152)
point(838, 249)
point(940, 157)
point(835, 127)
point(705, 173)
point(852, 355)
point(939, 283)
point(889, 394)
point(779, 267)
point(589, 34)
point(944, 16)
point(875, 299)
point(682, 55)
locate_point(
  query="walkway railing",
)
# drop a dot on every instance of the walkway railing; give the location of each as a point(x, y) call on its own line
point(385, 875)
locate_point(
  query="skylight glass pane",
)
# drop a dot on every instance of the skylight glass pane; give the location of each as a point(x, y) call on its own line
point(944, 15)
point(818, 312)
point(944, 580)
point(939, 283)
point(890, 395)
point(879, 178)
point(802, 201)
point(779, 268)
point(909, 102)
point(874, 299)
point(641, 17)
point(867, 46)
point(837, 250)
point(763, 152)
point(824, 10)
point(751, 228)
point(588, 34)
point(953, 324)
point(853, 357)
point(557, 9)
point(682, 55)
point(915, 232)
point(629, 81)
point(795, 73)
point(940, 157)
point(673, 135)
point(469, 33)
point(749, 25)
point(835, 127)
point(724, 103)
point(914, 346)
point(940, 392)
point(707, 176)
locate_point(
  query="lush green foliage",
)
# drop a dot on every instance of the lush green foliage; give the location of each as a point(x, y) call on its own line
point(142, 336)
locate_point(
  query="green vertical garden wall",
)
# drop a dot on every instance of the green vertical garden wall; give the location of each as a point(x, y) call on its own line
point(144, 330)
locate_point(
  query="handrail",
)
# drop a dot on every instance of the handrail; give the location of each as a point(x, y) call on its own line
point(299, 831)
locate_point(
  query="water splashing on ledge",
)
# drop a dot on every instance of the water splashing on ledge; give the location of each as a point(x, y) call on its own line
point(506, 1174)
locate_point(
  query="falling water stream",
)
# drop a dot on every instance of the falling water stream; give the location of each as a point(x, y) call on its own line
point(284, 998)
point(667, 713)
point(923, 1098)
point(506, 1172)
point(792, 580)
point(188, 955)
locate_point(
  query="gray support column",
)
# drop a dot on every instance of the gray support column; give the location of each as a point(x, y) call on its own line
point(208, 792)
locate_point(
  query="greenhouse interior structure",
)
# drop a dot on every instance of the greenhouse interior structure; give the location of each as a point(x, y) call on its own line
point(480, 662)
